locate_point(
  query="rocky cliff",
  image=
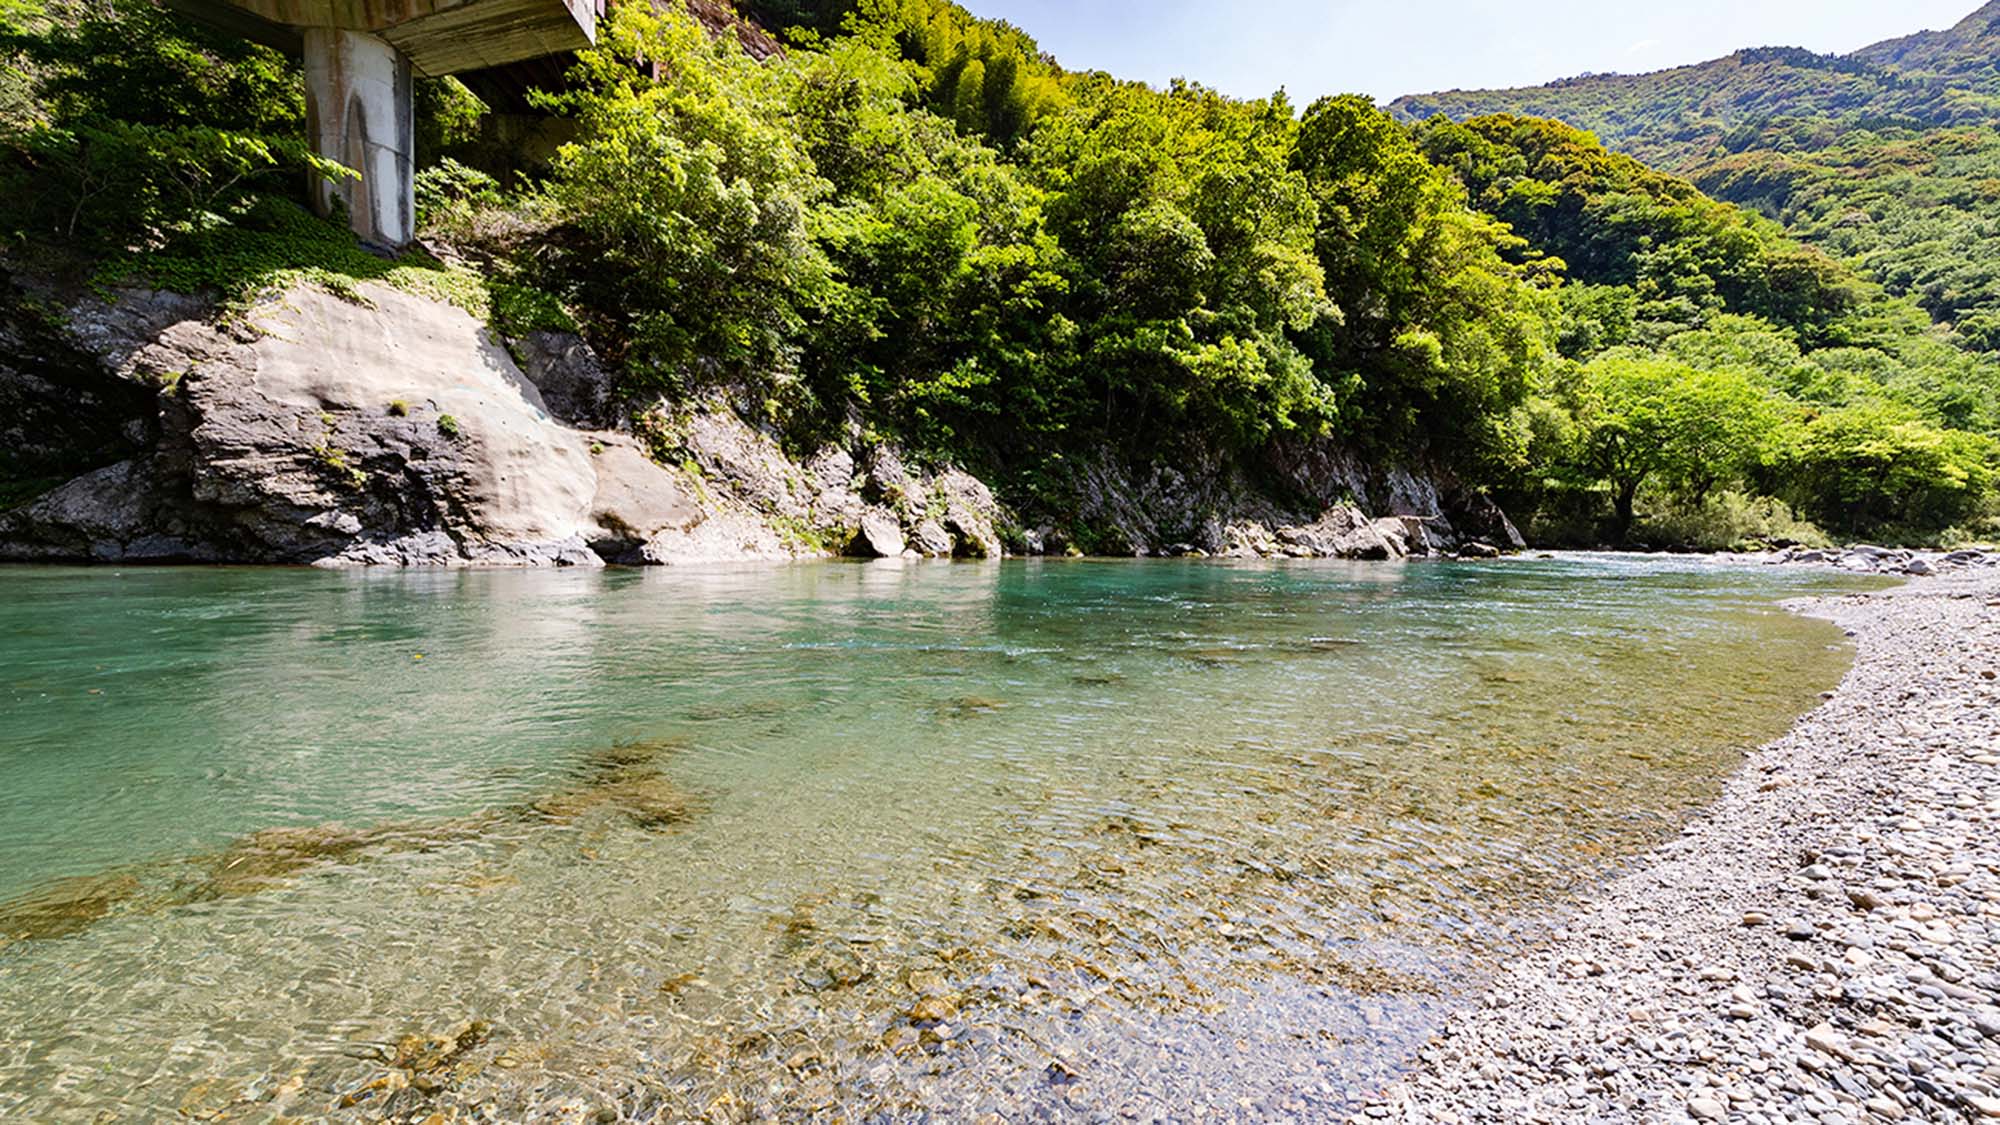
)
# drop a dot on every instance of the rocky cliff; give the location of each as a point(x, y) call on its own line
point(396, 429)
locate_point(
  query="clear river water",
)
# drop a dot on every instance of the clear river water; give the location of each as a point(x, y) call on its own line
point(883, 841)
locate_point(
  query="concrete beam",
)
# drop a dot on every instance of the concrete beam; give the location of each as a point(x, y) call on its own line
point(494, 33)
point(445, 36)
point(240, 23)
point(359, 111)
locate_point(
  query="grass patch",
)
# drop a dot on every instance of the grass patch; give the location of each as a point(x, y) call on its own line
point(800, 536)
point(270, 244)
point(334, 460)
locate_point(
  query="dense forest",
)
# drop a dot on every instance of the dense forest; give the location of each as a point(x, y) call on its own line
point(914, 221)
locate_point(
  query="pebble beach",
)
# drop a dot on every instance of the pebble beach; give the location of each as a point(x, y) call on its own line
point(1821, 945)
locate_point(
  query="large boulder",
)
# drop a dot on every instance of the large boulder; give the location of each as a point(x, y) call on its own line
point(1394, 532)
point(390, 429)
point(929, 538)
point(118, 513)
point(399, 425)
point(637, 505)
point(1475, 514)
point(1345, 532)
point(971, 515)
point(880, 536)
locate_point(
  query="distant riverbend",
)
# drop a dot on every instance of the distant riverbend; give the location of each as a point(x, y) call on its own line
point(884, 840)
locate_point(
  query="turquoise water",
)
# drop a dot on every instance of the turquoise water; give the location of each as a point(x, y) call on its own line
point(886, 840)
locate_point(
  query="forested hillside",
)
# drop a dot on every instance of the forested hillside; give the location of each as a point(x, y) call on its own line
point(1707, 350)
point(1886, 158)
point(1917, 211)
point(913, 224)
point(1966, 55)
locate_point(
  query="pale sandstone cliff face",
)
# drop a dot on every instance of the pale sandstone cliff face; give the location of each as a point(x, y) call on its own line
point(397, 430)
point(321, 430)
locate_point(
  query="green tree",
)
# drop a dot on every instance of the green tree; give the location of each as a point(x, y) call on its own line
point(684, 201)
point(132, 123)
point(1876, 464)
point(1191, 239)
point(1648, 420)
point(1442, 334)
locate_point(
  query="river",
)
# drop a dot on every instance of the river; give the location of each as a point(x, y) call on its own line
point(1040, 839)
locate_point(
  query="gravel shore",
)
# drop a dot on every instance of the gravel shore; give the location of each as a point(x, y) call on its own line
point(1823, 944)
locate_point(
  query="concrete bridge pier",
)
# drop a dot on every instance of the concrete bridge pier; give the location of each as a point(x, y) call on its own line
point(361, 111)
point(360, 57)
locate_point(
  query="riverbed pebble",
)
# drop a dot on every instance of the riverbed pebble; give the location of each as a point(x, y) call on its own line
point(1823, 951)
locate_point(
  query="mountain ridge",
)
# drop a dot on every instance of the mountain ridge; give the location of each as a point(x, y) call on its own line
point(1678, 116)
point(1976, 34)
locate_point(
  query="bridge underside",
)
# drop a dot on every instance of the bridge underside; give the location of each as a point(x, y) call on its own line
point(360, 56)
point(440, 37)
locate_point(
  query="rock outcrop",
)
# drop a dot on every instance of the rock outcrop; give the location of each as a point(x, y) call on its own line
point(1213, 507)
point(320, 430)
point(61, 411)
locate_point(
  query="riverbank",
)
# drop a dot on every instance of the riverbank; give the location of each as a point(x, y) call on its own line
point(1823, 944)
point(391, 427)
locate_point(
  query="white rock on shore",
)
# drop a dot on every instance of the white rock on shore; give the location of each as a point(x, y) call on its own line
point(1823, 945)
point(1866, 559)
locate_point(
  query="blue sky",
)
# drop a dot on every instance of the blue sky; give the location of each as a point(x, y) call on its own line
point(1391, 47)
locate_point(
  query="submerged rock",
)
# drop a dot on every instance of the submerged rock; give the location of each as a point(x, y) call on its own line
point(267, 859)
point(969, 706)
point(626, 781)
point(645, 798)
point(66, 906)
point(834, 966)
point(623, 780)
point(437, 1051)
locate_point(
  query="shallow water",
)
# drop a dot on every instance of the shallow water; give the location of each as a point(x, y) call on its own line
point(892, 841)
